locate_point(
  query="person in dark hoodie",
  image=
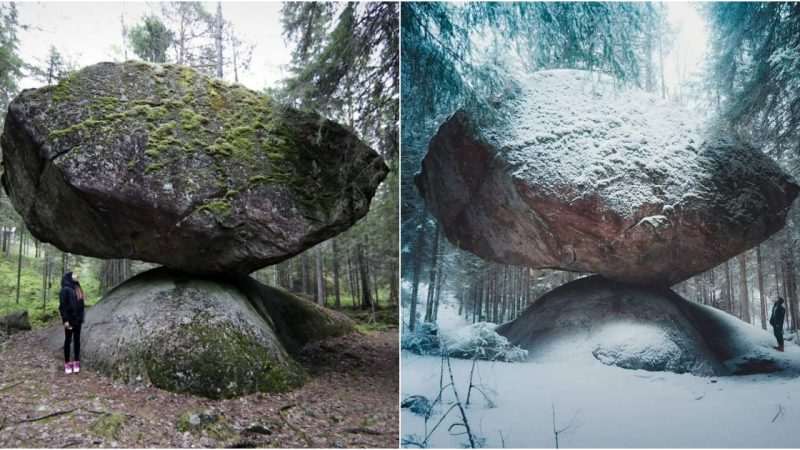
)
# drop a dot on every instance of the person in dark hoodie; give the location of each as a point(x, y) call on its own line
point(72, 314)
point(776, 320)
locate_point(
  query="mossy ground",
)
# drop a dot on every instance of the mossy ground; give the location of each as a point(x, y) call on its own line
point(213, 425)
point(108, 426)
point(385, 319)
point(247, 135)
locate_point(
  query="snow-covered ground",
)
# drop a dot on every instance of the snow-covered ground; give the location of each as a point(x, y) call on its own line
point(611, 406)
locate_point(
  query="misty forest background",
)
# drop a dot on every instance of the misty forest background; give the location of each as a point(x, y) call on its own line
point(457, 55)
point(344, 65)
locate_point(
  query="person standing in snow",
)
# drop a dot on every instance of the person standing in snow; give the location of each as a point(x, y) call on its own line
point(72, 313)
point(776, 320)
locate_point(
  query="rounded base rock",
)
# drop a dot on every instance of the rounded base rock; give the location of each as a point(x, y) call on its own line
point(214, 338)
point(637, 327)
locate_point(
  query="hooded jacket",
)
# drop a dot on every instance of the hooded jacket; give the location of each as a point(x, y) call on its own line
point(71, 309)
point(777, 316)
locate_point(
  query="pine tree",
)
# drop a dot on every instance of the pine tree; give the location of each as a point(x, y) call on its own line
point(150, 39)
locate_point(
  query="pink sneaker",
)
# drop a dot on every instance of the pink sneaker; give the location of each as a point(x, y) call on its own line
point(76, 367)
point(67, 367)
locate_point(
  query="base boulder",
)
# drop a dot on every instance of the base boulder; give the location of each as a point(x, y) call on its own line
point(206, 337)
point(637, 327)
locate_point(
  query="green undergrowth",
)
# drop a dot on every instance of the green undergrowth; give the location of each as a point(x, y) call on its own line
point(208, 423)
point(385, 319)
point(108, 426)
point(31, 287)
point(250, 139)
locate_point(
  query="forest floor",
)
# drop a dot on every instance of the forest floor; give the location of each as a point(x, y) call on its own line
point(352, 401)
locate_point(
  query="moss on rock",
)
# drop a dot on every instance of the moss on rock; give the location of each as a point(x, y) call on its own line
point(224, 363)
point(241, 128)
point(217, 207)
point(286, 179)
point(190, 335)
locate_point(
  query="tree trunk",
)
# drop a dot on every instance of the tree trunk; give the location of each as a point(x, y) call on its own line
point(417, 266)
point(366, 294)
point(19, 263)
point(235, 62)
point(661, 52)
point(761, 293)
point(356, 294)
point(728, 289)
point(432, 276)
point(44, 278)
point(336, 296)
point(393, 288)
point(218, 39)
point(791, 287)
point(320, 282)
point(304, 273)
point(744, 300)
point(648, 51)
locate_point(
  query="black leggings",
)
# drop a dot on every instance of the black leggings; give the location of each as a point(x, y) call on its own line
point(778, 331)
point(68, 334)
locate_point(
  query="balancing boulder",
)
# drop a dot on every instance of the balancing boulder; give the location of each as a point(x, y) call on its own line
point(575, 174)
point(162, 164)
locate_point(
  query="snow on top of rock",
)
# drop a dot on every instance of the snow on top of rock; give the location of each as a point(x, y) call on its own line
point(579, 130)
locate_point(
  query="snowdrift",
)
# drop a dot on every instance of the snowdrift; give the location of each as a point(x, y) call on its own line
point(478, 340)
point(638, 327)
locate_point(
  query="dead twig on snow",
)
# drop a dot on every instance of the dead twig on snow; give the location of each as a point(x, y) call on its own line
point(779, 413)
point(557, 431)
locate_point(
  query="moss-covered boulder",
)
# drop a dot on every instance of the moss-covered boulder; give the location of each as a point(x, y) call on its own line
point(214, 338)
point(162, 164)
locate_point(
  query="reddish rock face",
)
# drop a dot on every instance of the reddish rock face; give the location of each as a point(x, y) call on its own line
point(605, 186)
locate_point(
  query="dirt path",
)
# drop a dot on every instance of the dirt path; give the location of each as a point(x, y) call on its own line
point(352, 401)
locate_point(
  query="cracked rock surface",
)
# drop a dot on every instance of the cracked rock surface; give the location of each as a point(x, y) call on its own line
point(163, 164)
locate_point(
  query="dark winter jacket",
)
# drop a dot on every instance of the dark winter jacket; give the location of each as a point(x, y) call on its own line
point(70, 307)
point(778, 313)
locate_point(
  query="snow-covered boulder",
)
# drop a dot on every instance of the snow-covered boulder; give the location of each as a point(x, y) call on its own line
point(481, 341)
point(422, 341)
point(639, 327)
point(580, 175)
point(475, 341)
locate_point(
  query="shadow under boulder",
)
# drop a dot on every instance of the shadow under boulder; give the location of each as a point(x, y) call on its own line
point(212, 337)
point(637, 327)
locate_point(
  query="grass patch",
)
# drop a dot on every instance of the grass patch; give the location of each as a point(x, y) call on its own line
point(40, 311)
